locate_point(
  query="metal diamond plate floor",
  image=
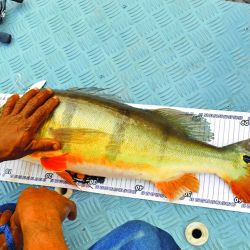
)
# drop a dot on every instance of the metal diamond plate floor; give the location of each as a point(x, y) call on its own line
point(191, 53)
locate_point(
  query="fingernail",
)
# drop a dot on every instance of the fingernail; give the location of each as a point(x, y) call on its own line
point(56, 146)
point(56, 98)
point(50, 90)
point(14, 97)
point(36, 90)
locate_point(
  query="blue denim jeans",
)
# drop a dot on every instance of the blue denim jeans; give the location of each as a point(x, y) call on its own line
point(136, 235)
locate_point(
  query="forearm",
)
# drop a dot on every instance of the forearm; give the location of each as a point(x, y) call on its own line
point(43, 233)
point(49, 240)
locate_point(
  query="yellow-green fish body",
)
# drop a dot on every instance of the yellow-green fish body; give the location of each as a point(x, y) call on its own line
point(105, 138)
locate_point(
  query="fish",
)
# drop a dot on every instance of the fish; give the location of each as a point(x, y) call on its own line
point(104, 137)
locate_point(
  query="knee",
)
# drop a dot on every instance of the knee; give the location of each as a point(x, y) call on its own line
point(138, 223)
point(139, 226)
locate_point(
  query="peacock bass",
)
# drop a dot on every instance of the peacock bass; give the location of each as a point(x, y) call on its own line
point(106, 138)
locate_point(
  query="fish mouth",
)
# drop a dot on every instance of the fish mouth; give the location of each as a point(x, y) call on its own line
point(246, 159)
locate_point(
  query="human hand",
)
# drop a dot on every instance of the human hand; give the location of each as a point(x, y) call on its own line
point(37, 203)
point(21, 119)
point(39, 214)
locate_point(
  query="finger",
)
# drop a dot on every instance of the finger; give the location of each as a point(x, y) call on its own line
point(44, 145)
point(73, 211)
point(21, 103)
point(41, 114)
point(17, 234)
point(5, 217)
point(15, 219)
point(10, 104)
point(36, 102)
point(2, 242)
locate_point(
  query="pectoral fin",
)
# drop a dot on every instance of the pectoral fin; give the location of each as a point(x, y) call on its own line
point(78, 136)
point(176, 188)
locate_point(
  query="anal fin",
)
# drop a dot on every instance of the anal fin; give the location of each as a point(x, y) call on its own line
point(176, 188)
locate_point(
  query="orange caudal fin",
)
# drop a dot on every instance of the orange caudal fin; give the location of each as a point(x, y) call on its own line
point(177, 187)
point(241, 187)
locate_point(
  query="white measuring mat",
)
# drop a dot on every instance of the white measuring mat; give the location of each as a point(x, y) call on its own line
point(228, 127)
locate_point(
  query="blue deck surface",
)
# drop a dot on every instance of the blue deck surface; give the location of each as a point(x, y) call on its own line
point(191, 53)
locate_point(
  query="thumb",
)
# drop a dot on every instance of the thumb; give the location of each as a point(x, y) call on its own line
point(73, 211)
point(44, 145)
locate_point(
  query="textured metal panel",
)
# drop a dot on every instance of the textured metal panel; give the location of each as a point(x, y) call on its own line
point(190, 53)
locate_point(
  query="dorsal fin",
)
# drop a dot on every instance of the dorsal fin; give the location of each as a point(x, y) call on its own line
point(184, 124)
point(188, 125)
point(90, 91)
